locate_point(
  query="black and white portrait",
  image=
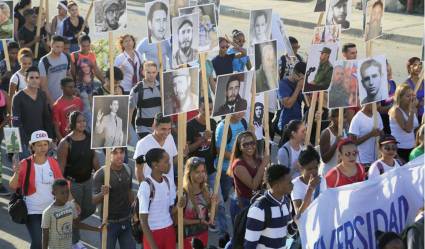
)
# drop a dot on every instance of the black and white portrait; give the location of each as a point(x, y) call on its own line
point(233, 93)
point(208, 39)
point(110, 15)
point(158, 20)
point(185, 39)
point(266, 69)
point(181, 91)
point(375, 12)
point(327, 34)
point(260, 26)
point(342, 92)
point(110, 121)
point(202, 2)
point(6, 19)
point(320, 6)
point(279, 34)
point(373, 84)
point(339, 12)
point(320, 61)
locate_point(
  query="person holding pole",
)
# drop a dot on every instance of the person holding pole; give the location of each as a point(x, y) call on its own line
point(27, 34)
point(363, 134)
point(120, 198)
point(57, 21)
point(290, 95)
point(18, 15)
point(329, 140)
point(150, 52)
point(156, 202)
point(5, 74)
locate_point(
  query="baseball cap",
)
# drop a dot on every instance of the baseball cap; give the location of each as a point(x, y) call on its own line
point(38, 136)
point(387, 139)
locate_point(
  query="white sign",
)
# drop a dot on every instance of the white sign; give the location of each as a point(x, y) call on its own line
point(348, 216)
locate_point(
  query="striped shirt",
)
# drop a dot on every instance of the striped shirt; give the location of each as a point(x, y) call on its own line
point(274, 235)
point(148, 108)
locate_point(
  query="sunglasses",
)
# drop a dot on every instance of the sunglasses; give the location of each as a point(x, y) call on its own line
point(352, 153)
point(249, 144)
point(224, 47)
point(390, 147)
point(195, 161)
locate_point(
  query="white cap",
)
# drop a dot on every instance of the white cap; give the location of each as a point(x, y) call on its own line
point(38, 136)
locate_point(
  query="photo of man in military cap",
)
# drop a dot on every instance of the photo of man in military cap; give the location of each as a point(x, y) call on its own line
point(320, 67)
point(110, 15)
point(6, 20)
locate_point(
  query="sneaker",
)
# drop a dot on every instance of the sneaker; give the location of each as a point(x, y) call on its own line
point(4, 191)
point(212, 228)
point(79, 245)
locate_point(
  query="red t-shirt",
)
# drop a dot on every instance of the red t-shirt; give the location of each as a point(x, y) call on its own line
point(241, 189)
point(61, 110)
point(335, 177)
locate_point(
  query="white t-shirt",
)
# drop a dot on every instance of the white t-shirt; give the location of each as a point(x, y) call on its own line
point(159, 213)
point(122, 61)
point(300, 188)
point(360, 126)
point(374, 169)
point(19, 80)
point(42, 198)
point(148, 143)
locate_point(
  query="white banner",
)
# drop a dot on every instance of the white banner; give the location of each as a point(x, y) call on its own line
point(347, 217)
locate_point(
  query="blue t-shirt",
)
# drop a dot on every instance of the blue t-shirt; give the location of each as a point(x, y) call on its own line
point(286, 88)
point(236, 129)
point(223, 65)
point(238, 63)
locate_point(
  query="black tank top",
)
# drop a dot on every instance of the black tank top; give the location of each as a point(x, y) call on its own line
point(79, 164)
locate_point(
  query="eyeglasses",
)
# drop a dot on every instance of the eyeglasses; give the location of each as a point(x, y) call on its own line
point(249, 144)
point(390, 147)
point(351, 153)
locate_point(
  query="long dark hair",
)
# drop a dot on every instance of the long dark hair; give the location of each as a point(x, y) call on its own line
point(72, 124)
point(152, 156)
point(290, 127)
point(21, 4)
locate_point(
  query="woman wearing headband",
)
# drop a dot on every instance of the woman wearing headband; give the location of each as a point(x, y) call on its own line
point(57, 20)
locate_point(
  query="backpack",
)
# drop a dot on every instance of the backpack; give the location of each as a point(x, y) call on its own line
point(17, 207)
point(135, 223)
point(229, 136)
point(47, 64)
point(381, 167)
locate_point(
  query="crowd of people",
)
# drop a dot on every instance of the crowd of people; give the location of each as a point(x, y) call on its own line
point(49, 98)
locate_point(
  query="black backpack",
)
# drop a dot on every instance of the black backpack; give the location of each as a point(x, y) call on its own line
point(136, 225)
point(229, 136)
point(239, 227)
point(47, 64)
point(17, 207)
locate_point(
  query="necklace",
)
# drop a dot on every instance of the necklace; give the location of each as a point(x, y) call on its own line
point(119, 176)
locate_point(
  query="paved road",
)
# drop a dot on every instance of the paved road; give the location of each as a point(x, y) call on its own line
point(15, 236)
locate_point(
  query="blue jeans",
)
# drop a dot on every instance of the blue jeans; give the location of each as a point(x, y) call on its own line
point(121, 232)
point(236, 204)
point(34, 229)
point(220, 217)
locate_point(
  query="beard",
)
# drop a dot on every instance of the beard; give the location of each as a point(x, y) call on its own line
point(185, 46)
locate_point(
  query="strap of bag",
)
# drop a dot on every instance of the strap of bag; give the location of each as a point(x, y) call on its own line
point(380, 168)
point(27, 177)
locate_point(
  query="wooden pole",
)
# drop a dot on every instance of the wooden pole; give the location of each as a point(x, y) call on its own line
point(87, 18)
point(340, 121)
point(6, 55)
point(38, 30)
point(47, 14)
point(161, 65)
point(181, 139)
point(205, 90)
point(266, 125)
point(310, 117)
point(220, 161)
point(252, 106)
point(319, 120)
point(107, 169)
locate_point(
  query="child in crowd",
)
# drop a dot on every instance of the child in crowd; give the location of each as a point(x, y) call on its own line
point(59, 217)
